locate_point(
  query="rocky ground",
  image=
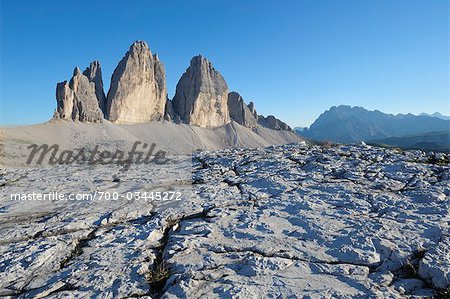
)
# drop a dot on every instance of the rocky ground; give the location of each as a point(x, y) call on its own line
point(283, 221)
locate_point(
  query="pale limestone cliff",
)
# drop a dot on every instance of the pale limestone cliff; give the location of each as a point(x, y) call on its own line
point(239, 112)
point(76, 100)
point(201, 96)
point(138, 87)
point(94, 74)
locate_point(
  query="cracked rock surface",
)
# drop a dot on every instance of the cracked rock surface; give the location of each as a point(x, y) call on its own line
point(282, 221)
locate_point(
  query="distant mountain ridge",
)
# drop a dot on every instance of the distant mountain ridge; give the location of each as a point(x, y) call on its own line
point(346, 124)
point(436, 114)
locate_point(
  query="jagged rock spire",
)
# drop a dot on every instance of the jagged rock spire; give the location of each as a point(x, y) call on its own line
point(76, 100)
point(94, 74)
point(273, 123)
point(138, 87)
point(138, 94)
point(201, 95)
point(239, 112)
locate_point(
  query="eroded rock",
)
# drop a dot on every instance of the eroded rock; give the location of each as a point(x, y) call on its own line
point(251, 107)
point(283, 221)
point(94, 74)
point(138, 87)
point(239, 112)
point(201, 95)
point(77, 100)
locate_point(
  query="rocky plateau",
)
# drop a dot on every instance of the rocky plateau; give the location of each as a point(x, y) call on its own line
point(283, 221)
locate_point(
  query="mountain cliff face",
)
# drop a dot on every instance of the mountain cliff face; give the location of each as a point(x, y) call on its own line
point(239, 112)
point(201, 95)
point(138, 94)
point(138, 87)
point(347, 124)
point(77, 100)
point(251, 107)
point(273, 123)
point(94, 74)
point(432, 141)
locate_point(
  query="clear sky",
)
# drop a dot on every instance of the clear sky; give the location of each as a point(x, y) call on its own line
point(294, 59)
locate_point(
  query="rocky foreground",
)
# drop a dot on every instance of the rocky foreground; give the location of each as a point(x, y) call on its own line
point(283, 221)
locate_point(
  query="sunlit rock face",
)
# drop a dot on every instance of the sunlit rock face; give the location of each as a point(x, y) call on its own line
point(202, 95)
point(77, 100)
point(138, 87)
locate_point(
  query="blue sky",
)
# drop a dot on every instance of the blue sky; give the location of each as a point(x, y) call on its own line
point(294, 59)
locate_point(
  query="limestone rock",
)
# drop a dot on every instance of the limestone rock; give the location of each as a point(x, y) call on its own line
point(94, 74)
point(64, 101)
point(239, 112)
point(76, 100)
point(201, 96)
point(169, 113)
point(273, 123)
point(138, 87)
point(251, 106)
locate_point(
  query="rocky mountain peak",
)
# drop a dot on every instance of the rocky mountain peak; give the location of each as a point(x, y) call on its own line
point(239, 112)
point(76, 100)
point(94, 74)
point(139, 46)
point(76, 71)
point(138, 94)
point(273, 123)
point(138, 91)
point(346, 124)
point(201, 96)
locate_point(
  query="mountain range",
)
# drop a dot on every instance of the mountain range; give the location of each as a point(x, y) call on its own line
point(436, 114)
point(138, 94)
point(346, 124)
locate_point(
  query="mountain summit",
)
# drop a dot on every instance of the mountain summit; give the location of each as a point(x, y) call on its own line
point(138, 87)
point(347, 124)
point(138, 94)
point(201, 95)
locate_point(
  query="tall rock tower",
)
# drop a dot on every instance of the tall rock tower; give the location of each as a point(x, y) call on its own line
point(201, 95)
point(239, 112)
point(138, 91)
point(94, 74)
point(77, 100)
